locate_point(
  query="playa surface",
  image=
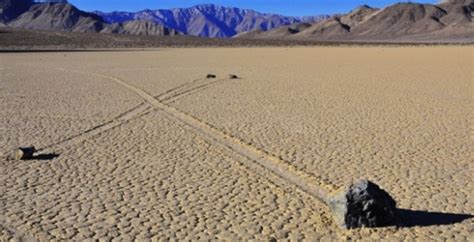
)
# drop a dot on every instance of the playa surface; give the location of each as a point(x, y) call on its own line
point(139, 144)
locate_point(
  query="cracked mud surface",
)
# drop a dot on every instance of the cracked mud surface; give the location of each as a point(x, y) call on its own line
point(131, 167)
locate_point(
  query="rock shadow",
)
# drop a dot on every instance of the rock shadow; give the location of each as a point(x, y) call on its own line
point(44, 157)
point(413, 218)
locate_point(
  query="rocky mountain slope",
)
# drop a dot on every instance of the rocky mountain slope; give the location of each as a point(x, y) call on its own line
point(10, 9)
point(58, 16)
point(139, 27)
point(402, 21)
point(281, 32)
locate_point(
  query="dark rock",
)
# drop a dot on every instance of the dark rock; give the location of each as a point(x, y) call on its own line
point(210, 76)
point(232, 76)
point(364, 204)
point(24, 153)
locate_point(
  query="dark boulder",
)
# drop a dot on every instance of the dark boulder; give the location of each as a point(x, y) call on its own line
point(364, 204)
point(24, 153)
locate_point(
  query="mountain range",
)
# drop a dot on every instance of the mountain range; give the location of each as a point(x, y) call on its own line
point(208, 20)
point(205, 20)
point(25, 14)
point(450, 20)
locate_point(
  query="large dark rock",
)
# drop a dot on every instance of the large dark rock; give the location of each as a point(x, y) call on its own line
point(24, 153)
point(363, 204)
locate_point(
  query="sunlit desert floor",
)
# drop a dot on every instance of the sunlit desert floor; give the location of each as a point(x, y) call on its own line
point(140, 145)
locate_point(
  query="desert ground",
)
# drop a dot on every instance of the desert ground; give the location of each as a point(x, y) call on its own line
point(141, 145)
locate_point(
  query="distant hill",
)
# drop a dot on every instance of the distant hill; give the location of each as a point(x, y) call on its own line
point(210, 20)
point(451, 20)
point(58, 16)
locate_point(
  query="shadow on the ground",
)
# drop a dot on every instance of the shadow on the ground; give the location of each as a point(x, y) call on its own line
point(49, 156)
point(412, 218)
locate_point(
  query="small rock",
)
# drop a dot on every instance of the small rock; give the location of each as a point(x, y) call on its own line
point(364, 204)
point(232, 76)
point(210, 76)
point(24, 153)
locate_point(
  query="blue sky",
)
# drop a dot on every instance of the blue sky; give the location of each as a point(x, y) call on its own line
point(285, 7)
